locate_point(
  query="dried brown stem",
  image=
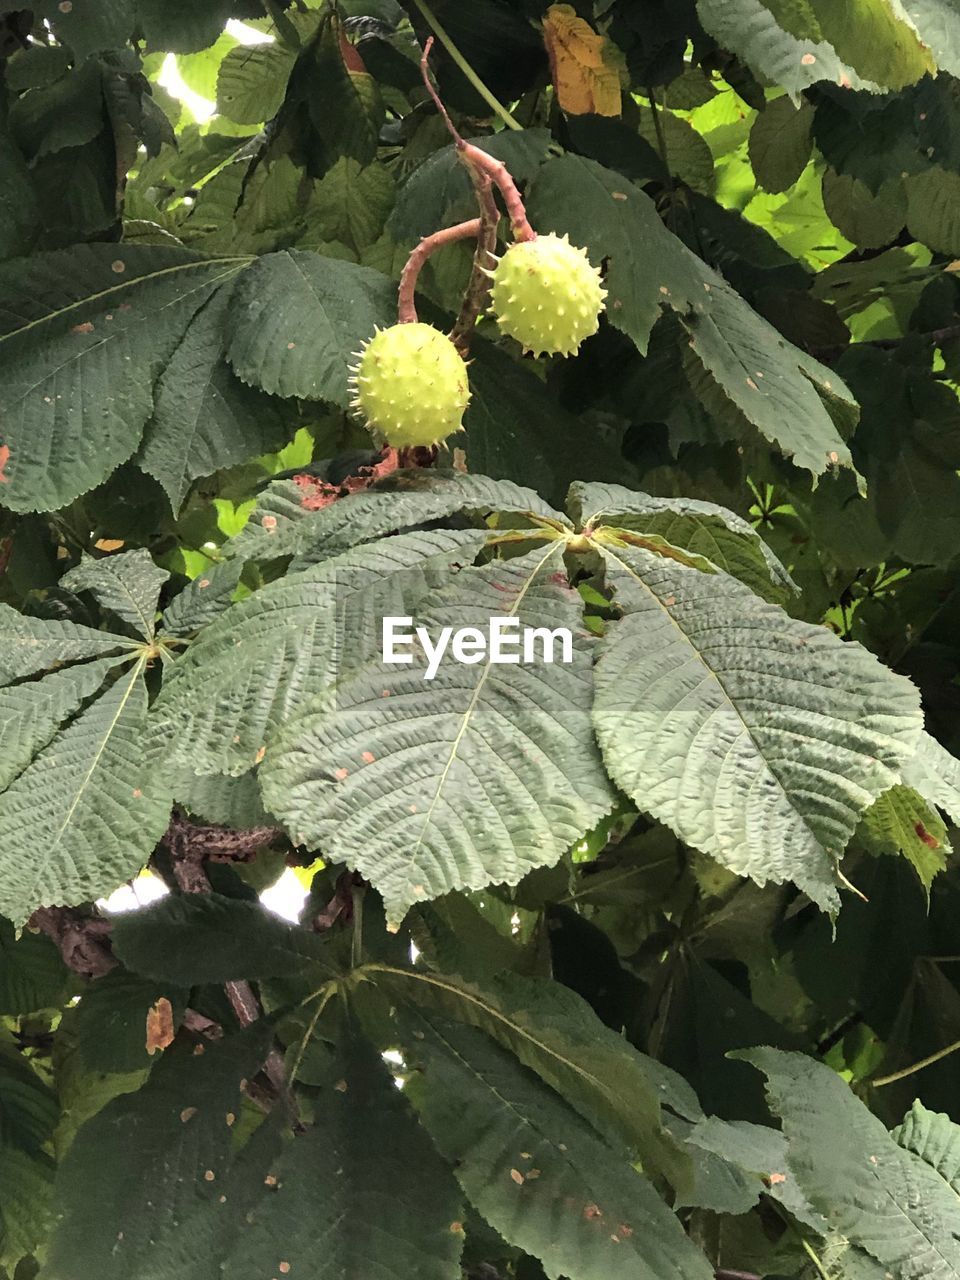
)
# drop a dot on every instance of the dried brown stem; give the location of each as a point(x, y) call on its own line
point(480, 161)
point(478, 288)
point(83, 941)
point(406, 306)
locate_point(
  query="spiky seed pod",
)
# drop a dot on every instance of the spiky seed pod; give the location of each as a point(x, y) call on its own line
point(547, 295)
point(410, 385)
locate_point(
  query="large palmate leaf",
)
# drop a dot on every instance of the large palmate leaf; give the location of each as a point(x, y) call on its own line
point(534, 1169)
point(85, 814)
point(204, 599)
point(84, 333)
point(297, 319)
point(741, 368)
point(283, 524)
point(758, 738)
point(29, 645)
point(144, 1177)
point(476, 775)
point(265, 659)
point(719, 535)
point(32, 712)
point(362, 1193)
point(867, 45)
point(127, 585)
point(205, 418)
point(881, 1196)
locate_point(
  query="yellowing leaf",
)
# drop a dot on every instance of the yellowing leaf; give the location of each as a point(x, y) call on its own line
point(160, 1029)
point(585, 65)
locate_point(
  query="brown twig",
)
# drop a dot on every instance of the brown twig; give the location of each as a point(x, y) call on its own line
point(406, 304)
point(485, 257)
point(83, 940)
point(481, 160)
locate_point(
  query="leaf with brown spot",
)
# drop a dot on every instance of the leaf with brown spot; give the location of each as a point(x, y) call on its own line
point(160, 1029)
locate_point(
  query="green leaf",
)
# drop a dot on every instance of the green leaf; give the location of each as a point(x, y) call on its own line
point(350, 204)
point(936, 21)
point(66, 113)
point(900, 822)
point(29, 645)
point(515, 429)
point(780, 143)
point(253, 80)
point(477, 775)
point(229, 802)
point(759, 739)
point(206, 938)
point(556, 1034)
point(32, 712)
point(935, 1139)
point(92, 27)
point(126, 585)
point(534, 1169)
point(203, 600)
point(26, 1203)
point(181, 25)
point(265, 659)
point(867, 219)
point(32, 974)
point(151, 1161)
point(28, 1112)
point(740, 367)
point(881, 1197)
point(721, 536)
point(796, 44)
point(282, 525)
point(935, 773)
point(759, 1151)
point(28, 1106)
point(84, 333)
point(438, 192)
point(109, 1025)
point(205, 418)
point(297, 319)
point(687, 152)
point(19, 216)
point(90, 807)
point(932, 216)
point(362, 1193)
point(343, 107)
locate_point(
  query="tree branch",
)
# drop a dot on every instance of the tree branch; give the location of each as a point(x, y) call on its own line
point(83, 940)
point(406, 304)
